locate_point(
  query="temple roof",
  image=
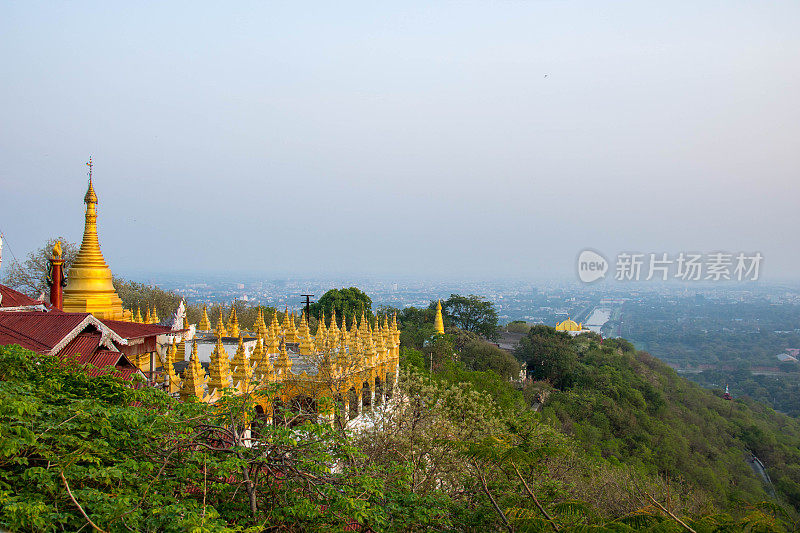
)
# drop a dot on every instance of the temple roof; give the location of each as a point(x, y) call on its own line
point(133, 330)
point(67, 335)
point(43, 331)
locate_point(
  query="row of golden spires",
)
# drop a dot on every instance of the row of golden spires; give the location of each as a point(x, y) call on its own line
point(148, 318)
point(337, 353)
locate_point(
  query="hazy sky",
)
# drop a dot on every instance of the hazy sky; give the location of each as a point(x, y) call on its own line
point(428, 138)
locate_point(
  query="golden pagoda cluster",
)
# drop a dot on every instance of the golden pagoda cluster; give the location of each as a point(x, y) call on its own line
point(354, 360)
point(334, 362)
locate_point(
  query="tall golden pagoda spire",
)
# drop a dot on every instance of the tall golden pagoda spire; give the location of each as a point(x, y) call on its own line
point(369, 348)
point(194, 377)
point(289, 329)
point(220, 328)
point(242, 371)
point(275, 329)
point(271, 346)
point(257, 359)
point(219, 370)
point(283, 363)
point(322, 331)
point(306, 342)
point(333, 333)
point(233, 323)
point(438, 323)
point(363, 330)
point(89, 288)
point(205, 323)
point(173, 381)
point(260, 327)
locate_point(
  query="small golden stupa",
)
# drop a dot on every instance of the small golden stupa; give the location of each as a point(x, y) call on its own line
point(438, 323)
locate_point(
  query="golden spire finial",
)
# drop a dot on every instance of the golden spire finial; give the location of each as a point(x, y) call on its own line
point(90, 197)
point(57, 250)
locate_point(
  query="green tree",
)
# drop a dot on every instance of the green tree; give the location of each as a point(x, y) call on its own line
point(479, 355)
point(346, 302)
point(550, 356)
point(30, 277)
point(518, 326)
point(138, 295)
point(82, 453)
point(471, 313)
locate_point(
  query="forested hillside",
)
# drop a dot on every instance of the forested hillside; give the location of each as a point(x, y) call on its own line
point(626, 406)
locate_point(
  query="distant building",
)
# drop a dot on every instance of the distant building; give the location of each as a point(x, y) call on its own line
point(509, 341)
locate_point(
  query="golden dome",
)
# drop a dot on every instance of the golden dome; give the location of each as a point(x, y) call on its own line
point(568, 325)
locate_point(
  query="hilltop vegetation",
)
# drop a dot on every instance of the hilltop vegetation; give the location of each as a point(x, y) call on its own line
point(604, 437)
point(79, 452)
point(626, 406)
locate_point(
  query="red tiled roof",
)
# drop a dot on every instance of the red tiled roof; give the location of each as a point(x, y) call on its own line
point(84, 344)
point(133, 330)
point(45, 329)
point(104, 361)
point(41, 332)
point(12, 298)
point(10, 336)
point(127, 372)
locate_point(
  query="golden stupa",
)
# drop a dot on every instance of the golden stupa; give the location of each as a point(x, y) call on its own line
point(89, 288)
point(438, 323)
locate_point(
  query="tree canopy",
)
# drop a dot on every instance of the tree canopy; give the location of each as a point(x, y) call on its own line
point(347, 303)
point(30, 276)
point(471, 313)
point(459, 453)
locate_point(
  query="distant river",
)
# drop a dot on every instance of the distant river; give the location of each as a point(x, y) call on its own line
point(599, 316)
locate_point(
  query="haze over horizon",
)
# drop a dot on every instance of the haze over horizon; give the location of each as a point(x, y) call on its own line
point(467, 140)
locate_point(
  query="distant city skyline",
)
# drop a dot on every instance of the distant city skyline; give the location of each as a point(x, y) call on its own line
point(436, 141)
